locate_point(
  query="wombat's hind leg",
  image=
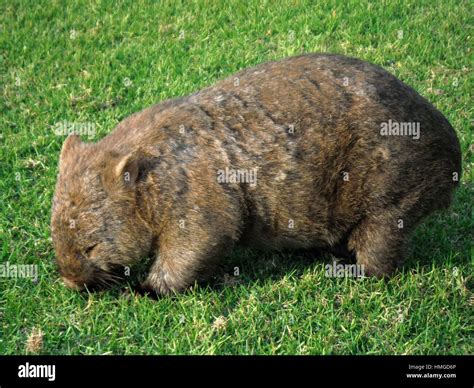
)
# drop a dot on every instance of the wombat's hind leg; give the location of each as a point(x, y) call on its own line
point(379, 244)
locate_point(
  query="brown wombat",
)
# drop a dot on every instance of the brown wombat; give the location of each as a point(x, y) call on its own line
point(314, 151)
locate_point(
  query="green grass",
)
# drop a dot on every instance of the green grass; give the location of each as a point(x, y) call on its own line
point(70, 61)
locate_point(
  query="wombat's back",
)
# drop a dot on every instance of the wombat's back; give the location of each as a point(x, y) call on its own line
point(318, 128)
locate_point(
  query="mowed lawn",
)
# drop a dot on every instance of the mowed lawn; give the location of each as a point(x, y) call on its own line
point(94, 63)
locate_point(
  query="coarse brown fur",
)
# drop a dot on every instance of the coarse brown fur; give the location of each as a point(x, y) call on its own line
point(309, 126)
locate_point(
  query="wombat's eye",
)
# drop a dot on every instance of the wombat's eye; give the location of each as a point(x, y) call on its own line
point(88, 251)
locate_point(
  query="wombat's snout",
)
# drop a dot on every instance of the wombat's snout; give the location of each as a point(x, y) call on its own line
point(73, 269)
point(79, 274)
point(80, 284)
point(76, 273)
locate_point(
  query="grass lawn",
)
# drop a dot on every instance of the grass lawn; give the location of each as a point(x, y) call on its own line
point(94, 63)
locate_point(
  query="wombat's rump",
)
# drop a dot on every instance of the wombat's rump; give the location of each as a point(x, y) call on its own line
point(314, 151)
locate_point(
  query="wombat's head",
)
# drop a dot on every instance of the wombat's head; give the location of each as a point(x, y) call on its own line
point(95, 226)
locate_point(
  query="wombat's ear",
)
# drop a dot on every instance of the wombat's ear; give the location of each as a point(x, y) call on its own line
point(121, 172)
point(71, 144)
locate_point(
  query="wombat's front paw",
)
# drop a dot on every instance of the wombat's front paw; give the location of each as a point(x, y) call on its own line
point(162, 282)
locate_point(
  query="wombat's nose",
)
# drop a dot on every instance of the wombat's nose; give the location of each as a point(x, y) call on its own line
point(70, 284)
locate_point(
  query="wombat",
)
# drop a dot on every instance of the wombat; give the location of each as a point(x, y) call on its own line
point(314, 151)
